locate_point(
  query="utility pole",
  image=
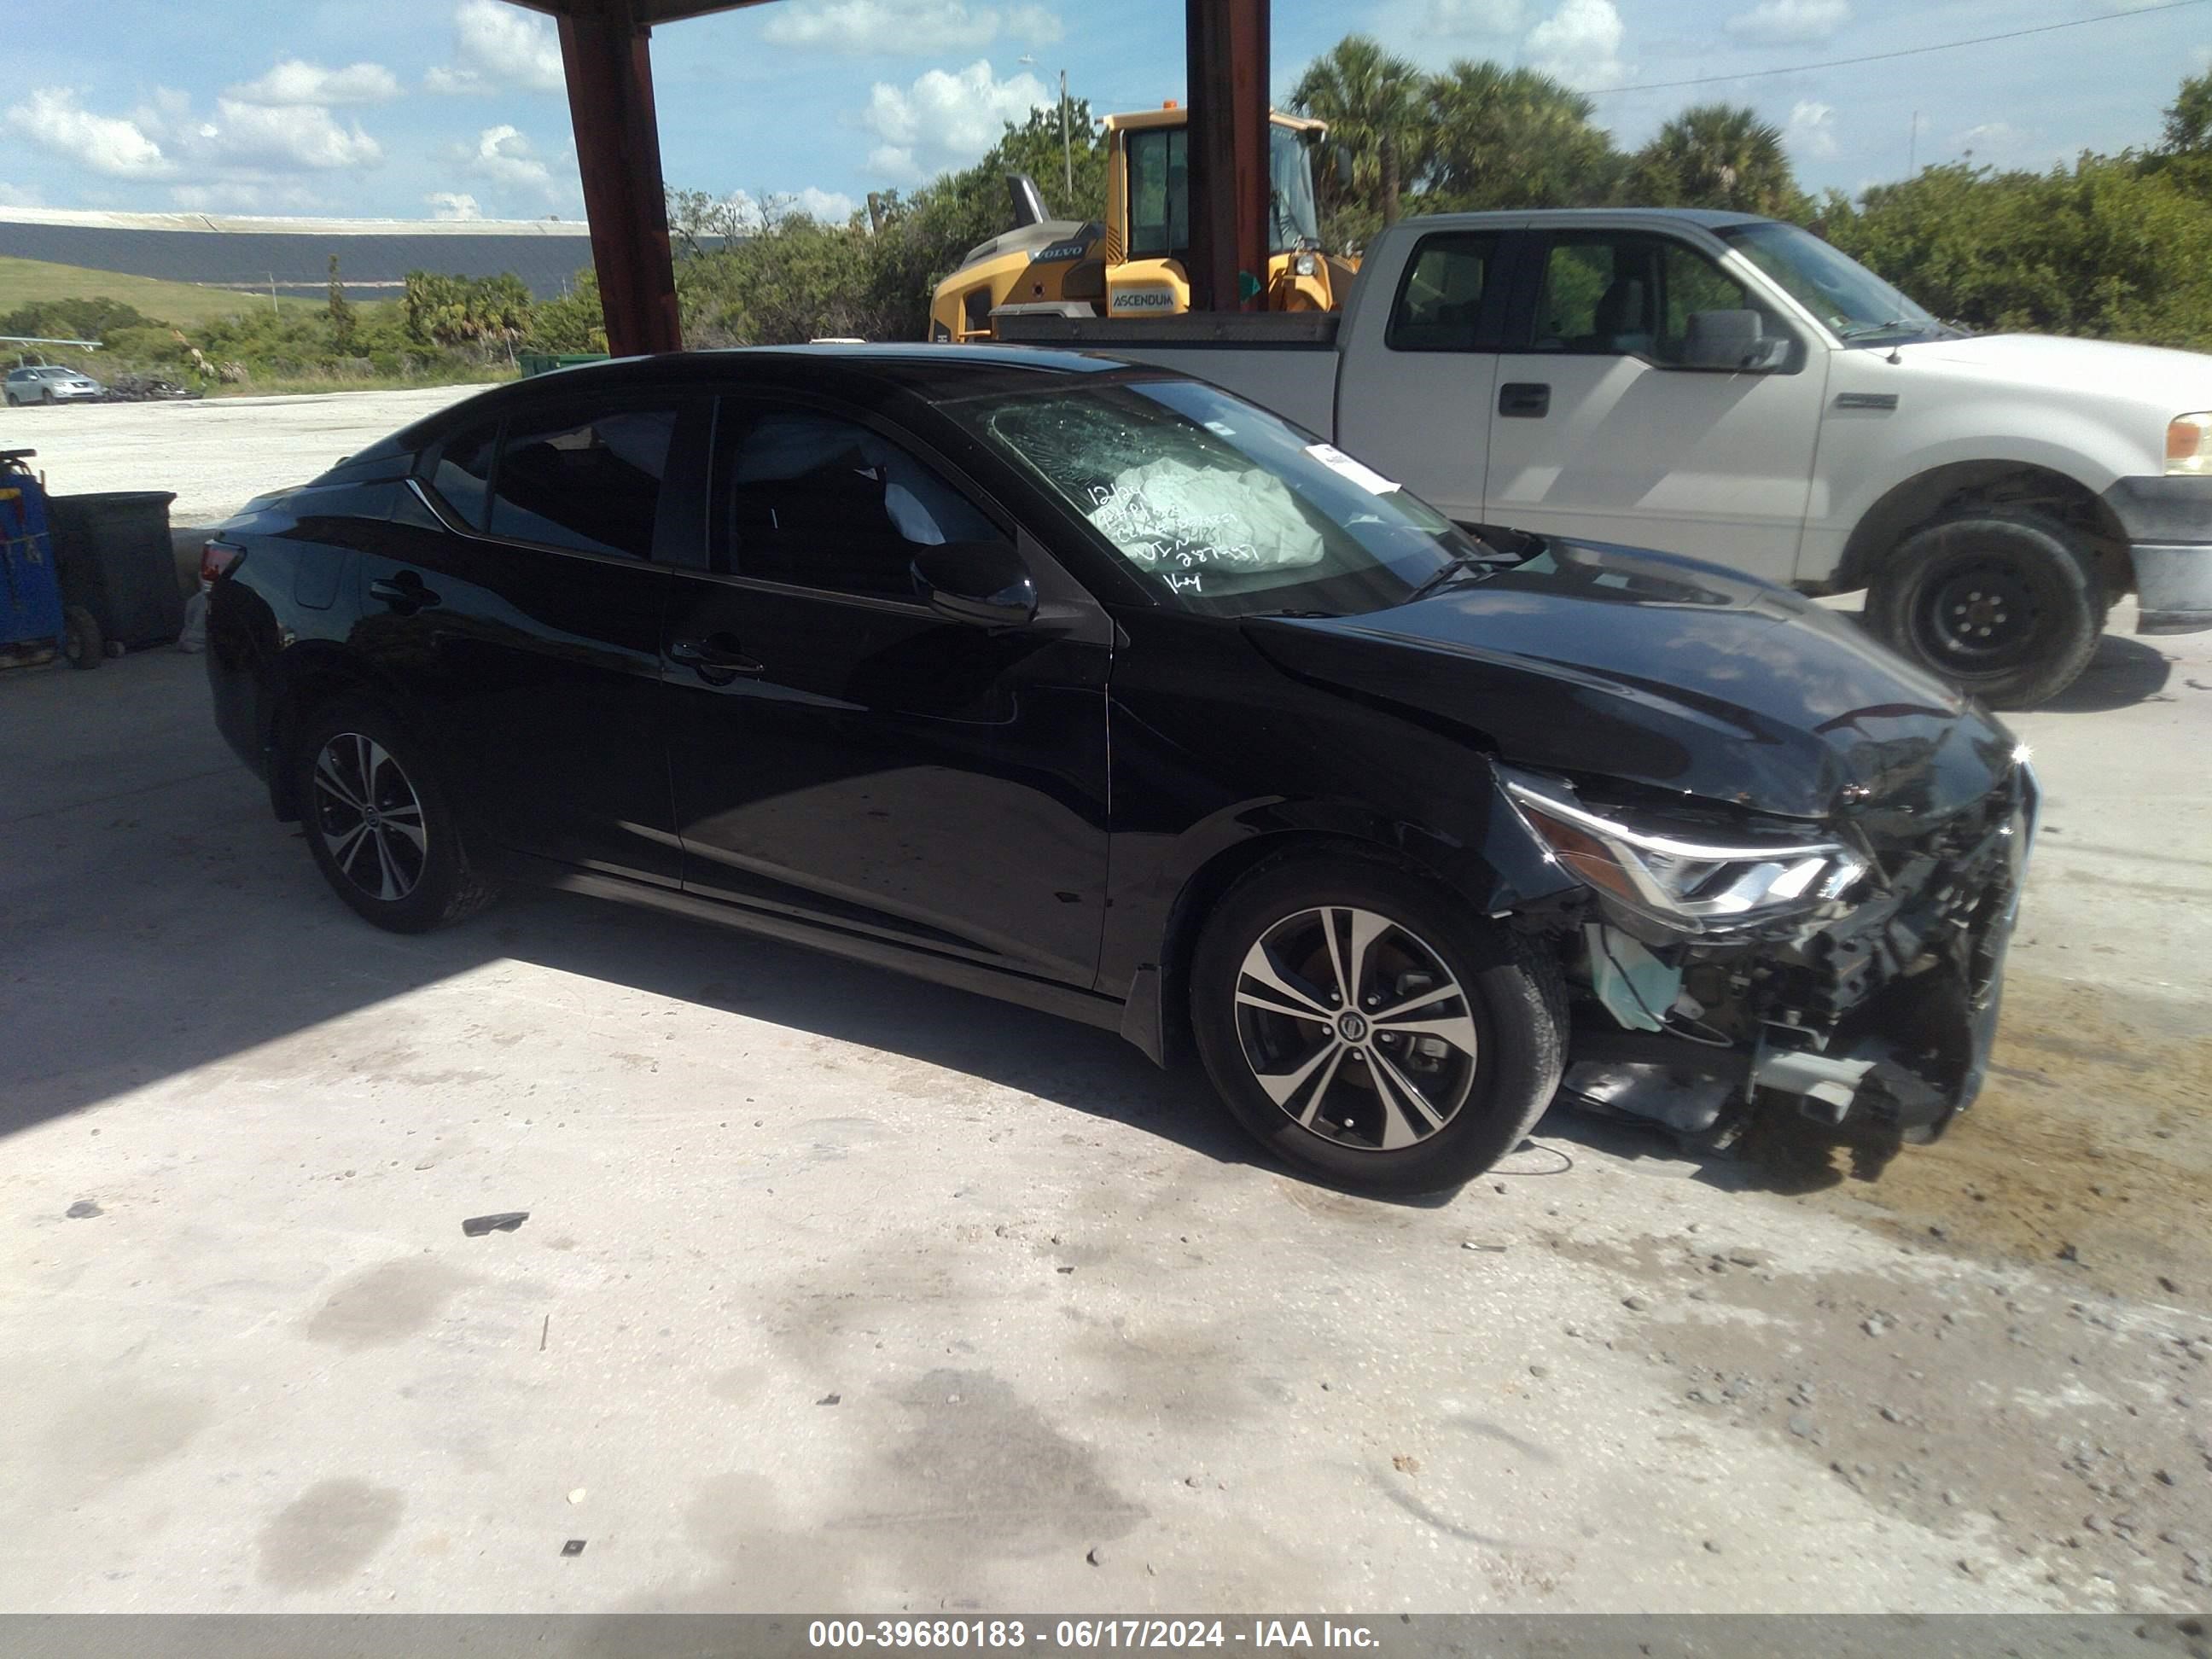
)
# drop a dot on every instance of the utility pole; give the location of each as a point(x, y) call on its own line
point(1066, 148)
point(1912, 147)
point(272, 293)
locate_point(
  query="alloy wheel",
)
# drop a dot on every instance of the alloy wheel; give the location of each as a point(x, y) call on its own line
point(369, 817)
point(1353, 1025)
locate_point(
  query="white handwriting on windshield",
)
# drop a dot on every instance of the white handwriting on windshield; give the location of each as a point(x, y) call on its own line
point(1164, 535)
point(1183, 581)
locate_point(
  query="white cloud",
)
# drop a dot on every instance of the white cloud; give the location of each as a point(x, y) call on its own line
point(831, 207)
point(1992, 140)
point(18, 195)
point(1813, 128)
point(507, 159)
point(284, 136)
point(53, 120)
point(294, 82)
point(876, 26)
point(1035, 26)
point(1579, 44)
point(453, 205)
point(1790, 22)
point(945, 118)
point(1474, 17)
point(497, 46)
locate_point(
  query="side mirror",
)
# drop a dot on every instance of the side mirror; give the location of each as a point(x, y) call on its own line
point(982, 583)
point(1734, 340)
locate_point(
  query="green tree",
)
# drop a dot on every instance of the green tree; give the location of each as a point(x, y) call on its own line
point(489, 313)
point(1717, 155)
point(573, 322)
point(1503, 137)
point(341, 311)
point(2189, 118)
point(1377, 136)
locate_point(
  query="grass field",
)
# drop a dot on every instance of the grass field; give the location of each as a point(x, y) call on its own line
point(23, 281)
point(297, 385)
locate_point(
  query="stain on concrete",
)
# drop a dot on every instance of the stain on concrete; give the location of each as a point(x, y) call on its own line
point(741, 1385)
point(981, 1474)
point(386, 1304)
point(116, 1430)
point(327, 1534)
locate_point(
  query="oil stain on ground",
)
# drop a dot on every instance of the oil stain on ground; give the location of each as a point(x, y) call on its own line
point(386, 1304)
point(327, 1534)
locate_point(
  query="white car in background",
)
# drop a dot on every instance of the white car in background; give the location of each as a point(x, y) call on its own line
point(50, 383)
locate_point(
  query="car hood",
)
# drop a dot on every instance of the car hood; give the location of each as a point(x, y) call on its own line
point(1668, 672)
point(2169, 380)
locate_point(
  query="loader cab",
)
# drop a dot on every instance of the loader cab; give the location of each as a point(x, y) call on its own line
point(1148, 214)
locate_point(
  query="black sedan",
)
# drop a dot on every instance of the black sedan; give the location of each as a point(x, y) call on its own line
point(1100, 690)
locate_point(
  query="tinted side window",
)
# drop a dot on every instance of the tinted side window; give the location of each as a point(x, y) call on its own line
point(589, 480)
point(1440, 303)
point(459, 472)
point(818, 500)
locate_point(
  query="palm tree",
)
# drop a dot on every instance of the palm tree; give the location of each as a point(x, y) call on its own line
point(1370, 100)
point(1716, 155)
point(1513, 138)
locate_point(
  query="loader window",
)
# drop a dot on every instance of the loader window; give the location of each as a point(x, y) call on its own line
point(1159, 193)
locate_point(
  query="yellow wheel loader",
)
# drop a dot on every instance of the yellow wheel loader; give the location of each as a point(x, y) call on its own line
point(1130, 265)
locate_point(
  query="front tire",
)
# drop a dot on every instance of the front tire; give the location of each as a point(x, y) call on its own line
point(378, 821)
point(81, 644)
point(2007, 606)
point(1362, 1025)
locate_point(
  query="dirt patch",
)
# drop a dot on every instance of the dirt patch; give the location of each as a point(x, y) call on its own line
point(2091, 1147)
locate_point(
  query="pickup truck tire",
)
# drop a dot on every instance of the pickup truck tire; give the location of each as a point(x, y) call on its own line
point(1407, 1056)
point(2005, 605)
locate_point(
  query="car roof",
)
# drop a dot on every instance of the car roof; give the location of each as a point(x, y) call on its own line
point(864, 373)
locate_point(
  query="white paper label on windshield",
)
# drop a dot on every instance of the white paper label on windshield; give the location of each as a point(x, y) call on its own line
point(1345, 467)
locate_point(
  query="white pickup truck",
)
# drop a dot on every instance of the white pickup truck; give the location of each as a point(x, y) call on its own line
point(1735, 389)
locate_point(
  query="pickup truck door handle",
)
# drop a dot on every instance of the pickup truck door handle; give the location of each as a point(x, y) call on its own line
point(404, 593)
point(717, 660)
point(1526, 400)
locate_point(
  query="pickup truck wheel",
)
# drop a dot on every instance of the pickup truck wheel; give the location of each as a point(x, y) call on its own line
point(2007, 606)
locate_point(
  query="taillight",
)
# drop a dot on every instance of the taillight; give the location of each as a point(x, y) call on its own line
point(218, 558)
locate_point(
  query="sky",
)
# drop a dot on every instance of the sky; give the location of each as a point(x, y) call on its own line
point(455, 109)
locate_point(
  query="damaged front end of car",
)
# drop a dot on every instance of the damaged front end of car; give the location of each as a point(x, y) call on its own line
point(1727, 964)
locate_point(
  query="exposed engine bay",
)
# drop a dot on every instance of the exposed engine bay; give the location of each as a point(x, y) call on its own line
point(1851, 977)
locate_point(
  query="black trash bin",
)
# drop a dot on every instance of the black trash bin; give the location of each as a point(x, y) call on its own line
point(113, 553)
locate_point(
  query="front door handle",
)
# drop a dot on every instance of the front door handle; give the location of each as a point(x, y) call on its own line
point(1526, 400)
point(404, 593)
point(717, 660)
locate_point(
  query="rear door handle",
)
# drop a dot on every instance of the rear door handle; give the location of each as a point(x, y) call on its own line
point(718, 658)
point(404, 592)
point(1526, 400)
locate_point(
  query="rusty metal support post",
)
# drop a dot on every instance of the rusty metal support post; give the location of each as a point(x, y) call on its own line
point(1225, 42)
point(606, 53)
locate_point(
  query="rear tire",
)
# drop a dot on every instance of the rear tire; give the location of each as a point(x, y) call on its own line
point(379, 822)
point(1453, 1045)
point(81, 644)
point(2007, 606)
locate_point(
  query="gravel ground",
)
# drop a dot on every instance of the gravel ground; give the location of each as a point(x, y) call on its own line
point(843, 1292)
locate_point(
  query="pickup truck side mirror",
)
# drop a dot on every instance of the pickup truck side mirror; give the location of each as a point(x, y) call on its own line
point(1732, 340)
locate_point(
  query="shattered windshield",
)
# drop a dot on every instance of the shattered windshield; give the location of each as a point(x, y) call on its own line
point(1221, 507)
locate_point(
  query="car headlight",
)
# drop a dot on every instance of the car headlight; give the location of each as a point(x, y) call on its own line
point(2189, 445)
point(1305, 264)
point(1692, 884)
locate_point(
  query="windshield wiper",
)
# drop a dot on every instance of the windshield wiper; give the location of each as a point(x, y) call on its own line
point(1462, 564)
point(1861, 330)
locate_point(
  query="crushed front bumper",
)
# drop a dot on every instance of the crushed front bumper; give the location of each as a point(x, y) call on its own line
point(1877, 1024)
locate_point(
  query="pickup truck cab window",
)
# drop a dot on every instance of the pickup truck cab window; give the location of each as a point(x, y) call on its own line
point(1445, 301)
point(1632, 294)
